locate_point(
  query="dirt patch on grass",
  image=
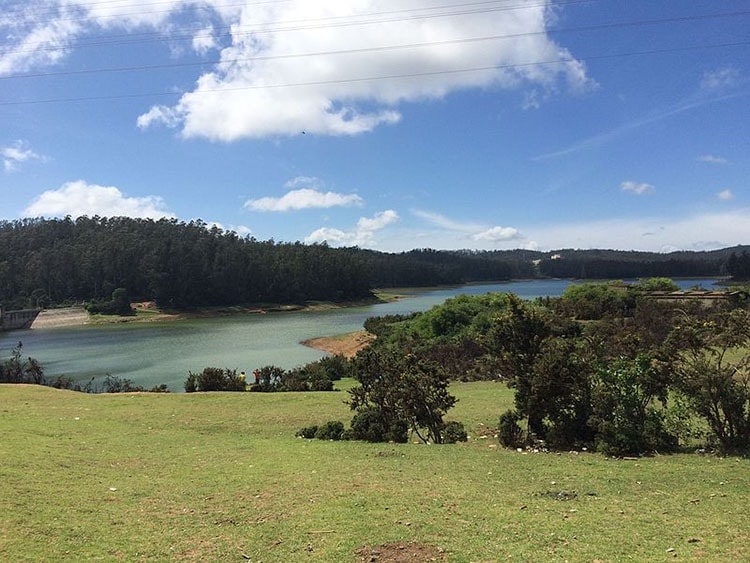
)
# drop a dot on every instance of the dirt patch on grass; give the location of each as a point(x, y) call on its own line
point(346, 344)
point(400, 552)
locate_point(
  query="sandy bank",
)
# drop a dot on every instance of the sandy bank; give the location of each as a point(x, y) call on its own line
point(51, 318)
point(345, 344)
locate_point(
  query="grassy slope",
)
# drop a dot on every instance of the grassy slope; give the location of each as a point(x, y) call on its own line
point(218, 476)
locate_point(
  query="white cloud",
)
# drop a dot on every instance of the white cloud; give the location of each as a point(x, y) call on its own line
point(725, 195)
point(531, 100)
point(158, 114)
point(241, 230)
point(498, 234)
point(660, 234)
point(301, 66)
point(444, 222)
point(303, 198)
point(469, 231)
point(80, 198)
point(638, 188)
point(17, 153)
point(40, 33)
point(712, 159)
point(327, 68)
point(718, 79)
point(204, 41)
point(362, 235)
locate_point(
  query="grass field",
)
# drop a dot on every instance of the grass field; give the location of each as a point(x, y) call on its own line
point(221, 477)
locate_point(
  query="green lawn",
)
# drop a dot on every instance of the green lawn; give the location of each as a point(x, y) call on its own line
point(221, 477)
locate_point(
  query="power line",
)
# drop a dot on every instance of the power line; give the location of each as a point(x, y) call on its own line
point(232, 31)
point(377, 49)
point(377, 78)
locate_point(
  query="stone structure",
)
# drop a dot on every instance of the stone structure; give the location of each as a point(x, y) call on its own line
point(12, 320)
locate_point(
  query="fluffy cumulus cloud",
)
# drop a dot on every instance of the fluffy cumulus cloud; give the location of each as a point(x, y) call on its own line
point(343, 68)
point(328, 68)
point(81, 198)
point(638, 188)
point(305, 195)
point(17, 153)
point(498, 234)
point(362, 235)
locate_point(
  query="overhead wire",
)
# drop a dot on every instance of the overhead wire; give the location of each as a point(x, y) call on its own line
point(348, 21)
point(234, 31)
point(381, 48)
point(376, 78)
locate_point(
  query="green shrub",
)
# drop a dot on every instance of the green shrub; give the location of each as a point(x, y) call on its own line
point(624, 420)
point(269, 378)
point(319, 381)
point(331, 430)
point(368, 424)
point(191, 383)
point(335, 367)
point(116, 384)
point(214, 379)
point(17, 370)
point(118, 305)
point(307, 432)
point(454, 432)
point(510, 433)
point(292, 380)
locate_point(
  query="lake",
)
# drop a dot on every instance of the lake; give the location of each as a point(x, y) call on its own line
point(163, 352)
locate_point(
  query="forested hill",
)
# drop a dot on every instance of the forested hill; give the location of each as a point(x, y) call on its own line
point(54, 261)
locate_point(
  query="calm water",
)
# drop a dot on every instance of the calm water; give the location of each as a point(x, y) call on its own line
point(154, 353)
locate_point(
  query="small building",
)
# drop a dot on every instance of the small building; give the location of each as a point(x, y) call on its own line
point(703, 295)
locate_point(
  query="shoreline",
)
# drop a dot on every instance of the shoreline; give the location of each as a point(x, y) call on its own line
point(147, 311)
point(346, 345)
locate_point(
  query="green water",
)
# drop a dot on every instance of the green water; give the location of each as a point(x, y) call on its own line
point(163, 352)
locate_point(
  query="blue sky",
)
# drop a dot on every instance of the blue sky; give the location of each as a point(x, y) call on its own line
point(387, 124)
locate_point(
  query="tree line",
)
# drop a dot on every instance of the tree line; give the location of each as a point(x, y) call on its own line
point(48, 262)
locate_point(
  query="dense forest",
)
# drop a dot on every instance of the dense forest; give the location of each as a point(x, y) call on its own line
point(46, 262)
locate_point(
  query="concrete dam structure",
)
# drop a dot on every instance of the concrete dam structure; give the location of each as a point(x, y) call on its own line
point(13, 320)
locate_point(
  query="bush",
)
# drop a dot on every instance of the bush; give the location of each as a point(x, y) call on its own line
point(319, 381)
point(454, 432)
point(118, 305)
point(307, 432)
point(293, 380)
point(115, 384)
point(16, 370)
point(268, 378)
point(401, 390)
point(335, 367)
point(214, 379)
point(368, 424)
point(331, 430)
point(510, 434)
point(624, 420)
